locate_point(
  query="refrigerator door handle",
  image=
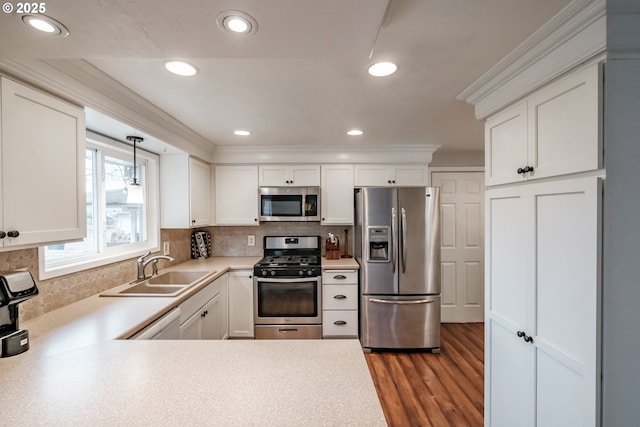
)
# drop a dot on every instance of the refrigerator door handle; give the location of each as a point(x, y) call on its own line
point(393, 242)
point(403, 247)
point(415, 301)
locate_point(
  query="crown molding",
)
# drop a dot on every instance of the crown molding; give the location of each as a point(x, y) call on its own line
point(575, 34)
point(264, 154)
point(79, 82)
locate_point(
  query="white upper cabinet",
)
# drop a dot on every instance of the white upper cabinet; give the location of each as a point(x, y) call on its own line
point(381, 175)
point(185, 185)
point(554, 131)
point(42, 185)
point(236, 195)
point(336, 194)
point(506, 145)
point(289, 175)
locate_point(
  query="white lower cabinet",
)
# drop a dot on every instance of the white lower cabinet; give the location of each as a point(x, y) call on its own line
point(340, 304)
point(542, 304)
point(203, 315)
point(241, 304)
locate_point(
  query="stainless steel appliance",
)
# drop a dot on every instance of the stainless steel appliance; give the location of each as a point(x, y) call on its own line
point(397, 244)
point(289, 203)
point(15, 287)
point(287, 291)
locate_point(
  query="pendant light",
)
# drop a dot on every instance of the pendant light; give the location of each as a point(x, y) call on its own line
point(134, 190)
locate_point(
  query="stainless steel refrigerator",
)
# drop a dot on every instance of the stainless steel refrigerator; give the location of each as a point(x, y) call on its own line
point(397, 244)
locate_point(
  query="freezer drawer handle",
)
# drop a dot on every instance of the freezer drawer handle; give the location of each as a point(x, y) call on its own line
point(417, 301)
point(340, 277)
point(339, 297)
point(339, 323)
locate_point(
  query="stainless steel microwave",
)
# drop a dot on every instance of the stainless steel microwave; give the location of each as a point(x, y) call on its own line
point(289, 203)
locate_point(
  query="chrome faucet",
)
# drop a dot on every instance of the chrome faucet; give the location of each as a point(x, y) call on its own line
point(142, 264)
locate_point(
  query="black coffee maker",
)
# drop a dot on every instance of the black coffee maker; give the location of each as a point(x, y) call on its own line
point(15, 287)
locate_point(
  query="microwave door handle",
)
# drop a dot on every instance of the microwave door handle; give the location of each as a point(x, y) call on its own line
point(403, 235)
point(392, 240)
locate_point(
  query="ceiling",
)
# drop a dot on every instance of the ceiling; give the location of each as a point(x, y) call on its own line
point(301, 78)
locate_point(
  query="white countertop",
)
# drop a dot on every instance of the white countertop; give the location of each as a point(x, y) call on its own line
point(75, 373)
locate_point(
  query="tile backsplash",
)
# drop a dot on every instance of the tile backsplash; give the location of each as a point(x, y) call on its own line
point(226, 241)
point(232, 241)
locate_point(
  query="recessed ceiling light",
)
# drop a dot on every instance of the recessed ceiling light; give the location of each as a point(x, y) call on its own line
point(354, 132)
point(181, 68)
point(45, 24)
point(382, 69)
point(237, 22)
point(241, 132)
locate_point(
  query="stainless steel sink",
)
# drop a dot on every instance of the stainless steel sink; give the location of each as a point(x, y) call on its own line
point(177, 277)
point(167, 284)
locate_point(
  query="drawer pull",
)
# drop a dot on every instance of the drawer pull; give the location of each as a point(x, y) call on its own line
point(287, 330)
point(339, 323)
point(339, 277)
point(339, 297)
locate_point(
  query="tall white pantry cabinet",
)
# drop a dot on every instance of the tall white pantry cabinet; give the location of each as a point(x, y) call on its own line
point(543, 238)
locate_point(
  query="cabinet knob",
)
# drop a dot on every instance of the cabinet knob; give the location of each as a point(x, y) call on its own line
point(524, 336)
point(528, 169)
point(520, 171)
point(13, 233)
point(193, 221)
point(3, 234)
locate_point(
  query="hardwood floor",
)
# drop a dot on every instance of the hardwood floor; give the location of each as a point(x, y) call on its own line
point(438, 390)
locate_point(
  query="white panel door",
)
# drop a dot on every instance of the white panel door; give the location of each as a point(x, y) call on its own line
point(543, 292)
point(564, 122)
point(236, 193)
point(200, 193)
point(505, 136)
point(43, 167)
point(241, 304)
point(462, 256)
point(566, 330)
point(509, 363)
point(337, 194)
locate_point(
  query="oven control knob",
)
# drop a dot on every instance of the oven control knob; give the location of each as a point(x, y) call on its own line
point(309, 272)
point(264, 272)
point(273, 272)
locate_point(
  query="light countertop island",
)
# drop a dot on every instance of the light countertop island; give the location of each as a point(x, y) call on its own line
point(78, 373)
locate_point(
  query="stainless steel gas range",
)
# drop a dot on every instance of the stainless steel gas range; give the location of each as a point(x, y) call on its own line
point(287, 288)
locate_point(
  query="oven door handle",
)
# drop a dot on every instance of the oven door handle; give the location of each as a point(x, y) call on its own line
point(289, 279)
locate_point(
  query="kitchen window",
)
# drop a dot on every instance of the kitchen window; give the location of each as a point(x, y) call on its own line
point(116, 229)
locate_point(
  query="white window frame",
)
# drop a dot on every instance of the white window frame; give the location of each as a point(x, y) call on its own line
point(152, 209)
